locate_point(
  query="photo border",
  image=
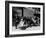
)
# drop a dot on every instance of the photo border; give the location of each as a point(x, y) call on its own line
point(7, 18)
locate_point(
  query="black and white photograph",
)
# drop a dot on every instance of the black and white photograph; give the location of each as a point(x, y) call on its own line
point(25, 18)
